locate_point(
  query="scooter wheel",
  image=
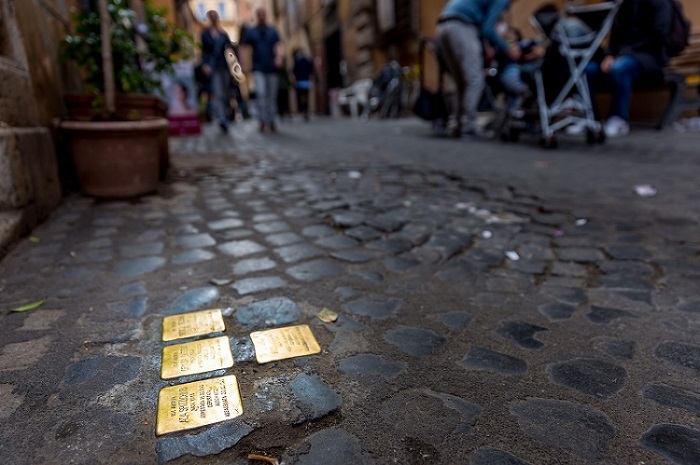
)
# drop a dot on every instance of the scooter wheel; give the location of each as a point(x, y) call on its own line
point(549, 142)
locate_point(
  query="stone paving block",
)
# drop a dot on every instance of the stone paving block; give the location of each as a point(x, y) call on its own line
point(332, 447)
point(363, 233)
point(390, 246)
point(135, 288)
point(373, 307)
point(241, 248)
point(418, 342)
point(271, 227)
point(41, 320)
point(283, 238)
point(568, 295)
point(133, 308)
point(401, 264)
point(360, 255)
point(314, 270)
point(557, 311)
point(481, 358)
point(347, 219)
point(234, 234)
point(565, 425)
point(680, 354)
point(192, 300)
point(226, 223)
point(677, 443)
point(193, 256)
point(265, 217)
point(252, 265)
point(593, 377)
point(337, 242)
point(23, 355)
point(604, 315)
point(448, 243)
point(522, 333)
point(371, 365)
point(432, 415)
point(318, 231)
point(314, 399)
point(277, 311)
point(256, 285)
point(580, 254)
point(691, 306)
point(139, 250)
point(89, 377)
point(456, 321)
point(627, 252)
point(139, 266)
point(569, 269)
point(671, 396)
point(211, 441)
point(195, 241)
point(297, 252)
point(11, 400)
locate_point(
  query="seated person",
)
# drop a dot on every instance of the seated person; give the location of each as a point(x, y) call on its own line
point(511, 71)
point(637, 50)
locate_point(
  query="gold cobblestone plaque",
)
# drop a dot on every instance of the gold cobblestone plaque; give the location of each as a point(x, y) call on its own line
point(282, 343)
point(192, 324)
point(196, 357)
point(202, 403)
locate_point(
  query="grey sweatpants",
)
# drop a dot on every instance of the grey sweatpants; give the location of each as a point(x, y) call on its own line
point(463, 52)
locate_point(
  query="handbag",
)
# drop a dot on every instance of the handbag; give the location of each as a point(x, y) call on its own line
point(430, 105)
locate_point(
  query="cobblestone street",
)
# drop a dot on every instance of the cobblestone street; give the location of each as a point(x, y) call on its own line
point(498, 304)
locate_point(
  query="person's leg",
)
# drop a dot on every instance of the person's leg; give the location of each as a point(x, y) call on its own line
point(473, 68)
point(217, 98)
point(593, 76)
point(510, 78)
point(449, 46)
point(260, 96)
point(272, 81)
point(624, 71)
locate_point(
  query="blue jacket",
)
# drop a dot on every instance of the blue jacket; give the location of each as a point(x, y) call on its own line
point(481, 13)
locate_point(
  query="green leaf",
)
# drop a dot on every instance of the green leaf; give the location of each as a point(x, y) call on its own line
point(34, 239)
point(26, 308)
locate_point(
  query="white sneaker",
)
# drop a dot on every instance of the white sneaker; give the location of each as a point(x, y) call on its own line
point(616, 127)
point(576, 129)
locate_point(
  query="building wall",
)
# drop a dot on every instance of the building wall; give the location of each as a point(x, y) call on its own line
point(32, 81)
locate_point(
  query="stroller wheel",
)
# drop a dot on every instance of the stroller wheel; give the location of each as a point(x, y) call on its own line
point(595, 137)
point(549, 142)
point(510, 134)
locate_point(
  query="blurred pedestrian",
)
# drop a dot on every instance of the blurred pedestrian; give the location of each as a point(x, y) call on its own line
point(303, 72)
point(215, 41)
point(285, 84)
point(267, 51)
point(461, 26)
point(637, 50)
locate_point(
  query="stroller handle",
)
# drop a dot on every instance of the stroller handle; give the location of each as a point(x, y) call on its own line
point(574, 9)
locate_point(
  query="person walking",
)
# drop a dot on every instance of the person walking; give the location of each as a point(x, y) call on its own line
point(303, 72)
point(215, 41)
point(267, 52)
point(461, 26)
point(637, 50)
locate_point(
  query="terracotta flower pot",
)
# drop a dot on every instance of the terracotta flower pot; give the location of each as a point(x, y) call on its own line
point(128, 107)
point(116, 159)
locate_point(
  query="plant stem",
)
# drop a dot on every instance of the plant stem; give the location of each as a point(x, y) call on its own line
point(107, 65)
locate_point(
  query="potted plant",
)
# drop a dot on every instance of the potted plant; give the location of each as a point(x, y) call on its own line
point(117, 132)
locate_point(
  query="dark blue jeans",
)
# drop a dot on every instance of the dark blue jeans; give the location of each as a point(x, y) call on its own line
point(624, 71)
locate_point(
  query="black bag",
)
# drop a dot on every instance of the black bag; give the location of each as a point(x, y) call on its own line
point(430, 106)
point(679, 37)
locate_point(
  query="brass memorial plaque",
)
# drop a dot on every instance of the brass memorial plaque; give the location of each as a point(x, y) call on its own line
point(196, 357)
point(282, 343)
point(192, 324)
point(201, 403)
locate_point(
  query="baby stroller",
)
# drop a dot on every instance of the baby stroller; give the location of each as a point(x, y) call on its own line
point(562, 96)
